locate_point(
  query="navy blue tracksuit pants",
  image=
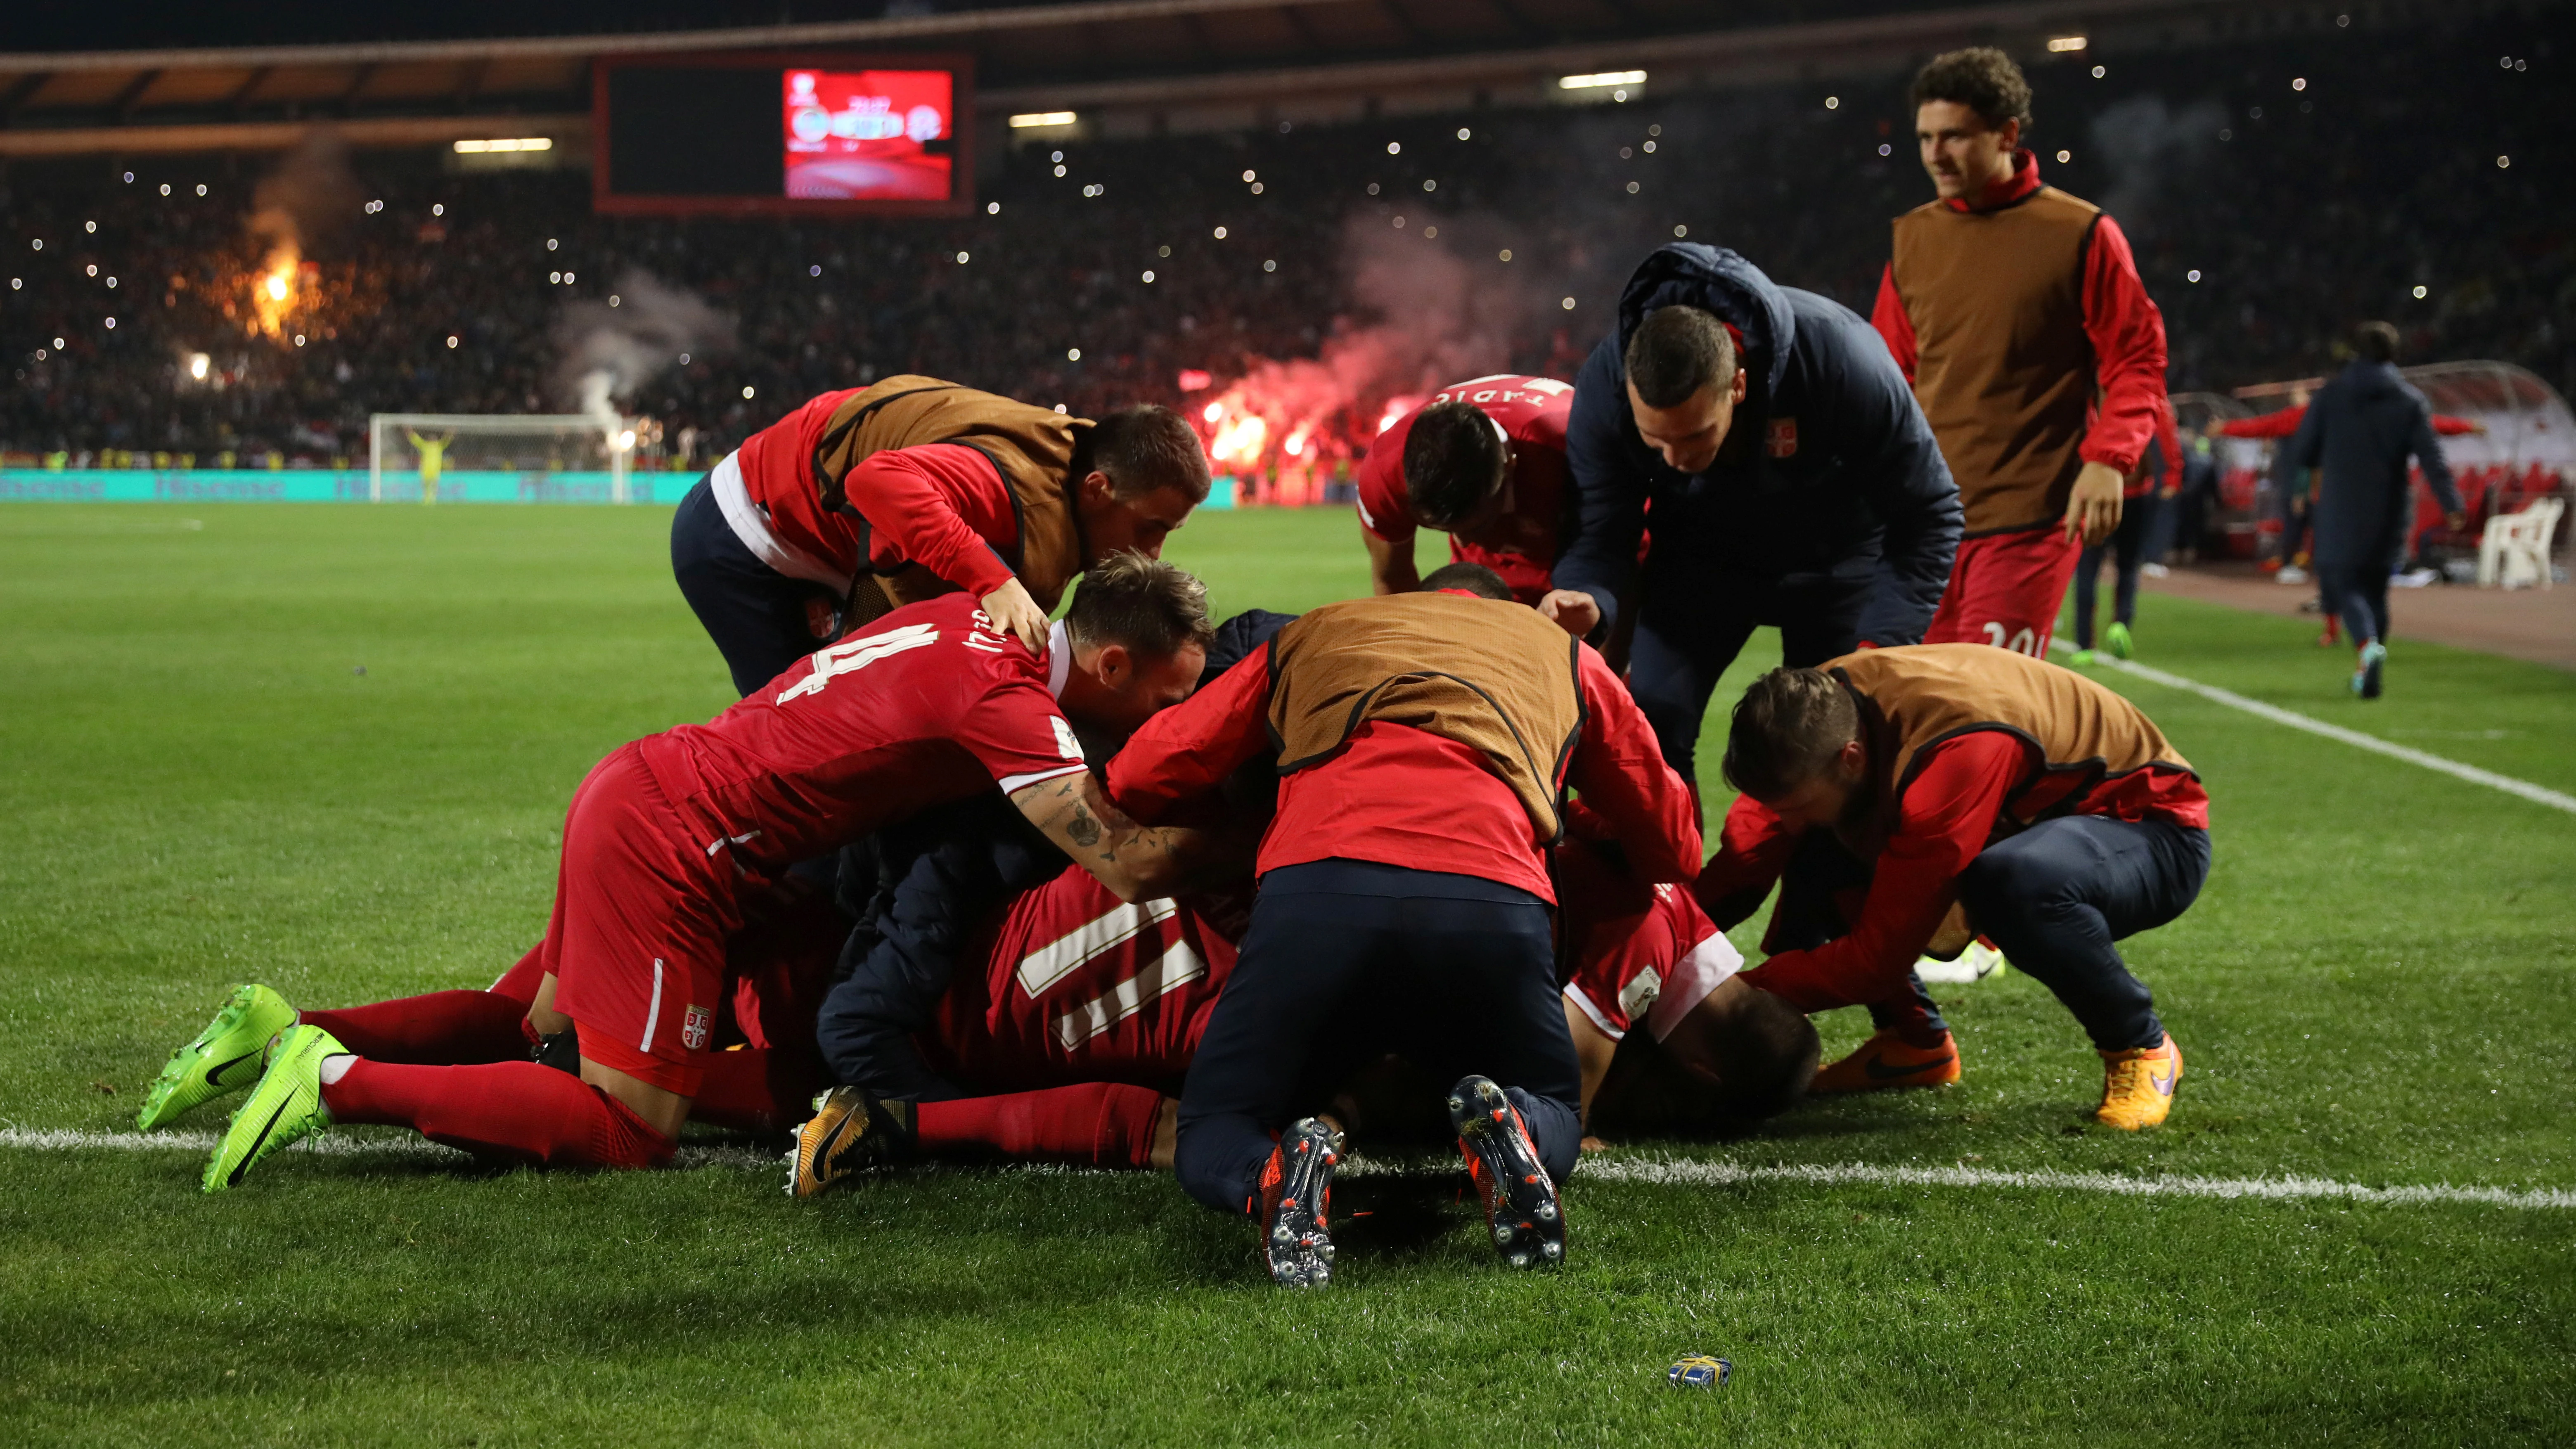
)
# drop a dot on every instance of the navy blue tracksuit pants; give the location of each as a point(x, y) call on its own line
point(2127, 546)
point(2054, 898)
point(1690, 630)
point(1348, 960)
point(762, 620)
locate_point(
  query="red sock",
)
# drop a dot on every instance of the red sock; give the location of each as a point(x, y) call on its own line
point(444, 1028)
point(1100, 1124)
point(756, 1089)
point(516, 1110)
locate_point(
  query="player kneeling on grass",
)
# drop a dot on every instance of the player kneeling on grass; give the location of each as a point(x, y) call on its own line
point(668, 834)
point(2049, 809)
point(1426, 741)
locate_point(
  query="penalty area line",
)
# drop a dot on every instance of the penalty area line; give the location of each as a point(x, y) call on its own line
point(1643, 1171)
point(2537, 794)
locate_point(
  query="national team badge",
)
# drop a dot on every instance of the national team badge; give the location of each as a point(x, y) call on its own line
point(1782, 442)
point(694, 1027)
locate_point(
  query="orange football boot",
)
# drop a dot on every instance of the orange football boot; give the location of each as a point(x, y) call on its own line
point(1884, 1062)
point(2138, 1085)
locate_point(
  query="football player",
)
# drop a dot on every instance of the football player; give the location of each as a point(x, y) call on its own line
point(933, 703)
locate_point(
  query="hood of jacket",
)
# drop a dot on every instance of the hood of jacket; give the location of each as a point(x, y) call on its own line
point(1716, 280)
point(2371, 379)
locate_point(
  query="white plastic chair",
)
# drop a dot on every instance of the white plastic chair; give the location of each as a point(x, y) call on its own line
point(2514, 551)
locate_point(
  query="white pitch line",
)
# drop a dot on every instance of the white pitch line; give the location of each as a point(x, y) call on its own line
point(1650, 1171)
point(1696, 1172)
point(2537, 794)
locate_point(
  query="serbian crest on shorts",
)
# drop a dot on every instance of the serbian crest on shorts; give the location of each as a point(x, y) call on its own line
point(1782, 439)
point(694, 1026)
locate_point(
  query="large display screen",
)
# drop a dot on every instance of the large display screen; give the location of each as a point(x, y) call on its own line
point(870, 135)
point(751, 134)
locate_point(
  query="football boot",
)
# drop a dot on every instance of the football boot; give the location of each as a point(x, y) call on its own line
point(1296, 1203)
point(1522, 1213)
point(852, 1128)
point(2116, 639)
point(285, 1108)
point(2138, 1085)
point(2374, 663)
point(1885, 1062)
point(225, 1057)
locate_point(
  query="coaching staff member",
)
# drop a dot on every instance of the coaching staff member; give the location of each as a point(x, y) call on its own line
point(2358, 432)
point(1426, 741)
point(2012, 307)
point(2051, 811)
point(871, 498)
point(1793, 480)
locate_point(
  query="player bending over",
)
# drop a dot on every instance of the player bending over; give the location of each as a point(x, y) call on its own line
point(1425, 742)
point(664, 839)
point(877, 497)
point(1484, 460)
point(2051, 812)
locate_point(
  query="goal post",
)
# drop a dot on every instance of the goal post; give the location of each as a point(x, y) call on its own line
point(499, 458)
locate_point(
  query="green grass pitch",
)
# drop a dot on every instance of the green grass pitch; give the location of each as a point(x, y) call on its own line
point(199, 787)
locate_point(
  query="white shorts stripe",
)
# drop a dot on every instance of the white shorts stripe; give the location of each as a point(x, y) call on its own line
point(653, 1017)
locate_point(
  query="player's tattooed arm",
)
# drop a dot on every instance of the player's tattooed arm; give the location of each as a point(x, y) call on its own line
point(1137, 862)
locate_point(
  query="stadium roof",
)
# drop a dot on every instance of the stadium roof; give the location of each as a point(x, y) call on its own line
point(1125, 64)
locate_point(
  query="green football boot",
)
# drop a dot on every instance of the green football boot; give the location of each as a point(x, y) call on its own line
point(286, 1107)
point(223, 1058)
point(2117, 637)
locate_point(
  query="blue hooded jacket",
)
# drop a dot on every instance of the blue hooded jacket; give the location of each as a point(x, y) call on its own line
point(1828, 472)
point(2359, 431)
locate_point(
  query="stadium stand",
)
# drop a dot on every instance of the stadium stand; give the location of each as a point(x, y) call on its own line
point(2271, 186)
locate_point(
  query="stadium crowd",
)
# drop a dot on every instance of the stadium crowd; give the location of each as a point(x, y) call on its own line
point(2268, 188)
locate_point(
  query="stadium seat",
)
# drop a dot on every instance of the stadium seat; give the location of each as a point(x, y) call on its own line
point(2515, 551)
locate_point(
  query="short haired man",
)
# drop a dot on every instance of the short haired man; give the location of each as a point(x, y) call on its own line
point(1484, 461)
point(1987, 792)
point(1791, 476)
point(1425, 742)
point(2359, 432)
point(870, 498)
point(670, 833)
point(2011, 306)
point(1646, 956)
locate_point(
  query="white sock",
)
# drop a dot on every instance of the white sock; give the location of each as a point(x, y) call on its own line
point(336, 1067)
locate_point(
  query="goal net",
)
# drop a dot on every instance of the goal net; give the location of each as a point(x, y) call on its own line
point(500, 458)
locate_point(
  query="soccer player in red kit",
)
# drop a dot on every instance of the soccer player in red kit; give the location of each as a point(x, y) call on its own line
point(1059, 1030)
point(2017, 313)
point(1645, 955)
point(1483, 460)
point(876, 497)
point(931, 704)
point(1426, 741)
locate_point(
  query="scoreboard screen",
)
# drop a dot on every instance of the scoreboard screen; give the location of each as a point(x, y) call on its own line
point(783, 134)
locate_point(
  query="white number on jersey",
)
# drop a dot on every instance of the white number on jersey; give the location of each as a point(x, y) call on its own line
point(858, 654)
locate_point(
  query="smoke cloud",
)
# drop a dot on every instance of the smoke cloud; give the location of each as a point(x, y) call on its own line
point(1433, 316)
point(605, 353)
point(309, 198)
point(2145, 144)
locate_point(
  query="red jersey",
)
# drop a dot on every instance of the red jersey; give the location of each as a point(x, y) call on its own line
point(1641, 953)
point(1071, 984)
point(1532, 412)
point(943, 506)
point(926, 705)
point(1946, 818)
point(1402, 796)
